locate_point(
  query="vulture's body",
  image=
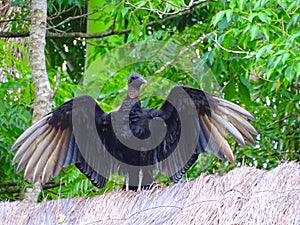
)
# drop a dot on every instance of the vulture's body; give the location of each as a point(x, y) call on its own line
point(132, 141)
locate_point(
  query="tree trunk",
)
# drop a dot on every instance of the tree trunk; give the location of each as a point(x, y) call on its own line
point(42, 91)
point(37, 42)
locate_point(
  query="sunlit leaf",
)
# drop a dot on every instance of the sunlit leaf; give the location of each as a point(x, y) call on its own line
point(254, 31)
point(290, 73)
point(218, 17)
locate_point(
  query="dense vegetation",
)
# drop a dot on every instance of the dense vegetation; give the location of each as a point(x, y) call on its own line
point(247, 50)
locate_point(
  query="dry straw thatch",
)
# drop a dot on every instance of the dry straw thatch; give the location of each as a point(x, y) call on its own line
point(243, 196)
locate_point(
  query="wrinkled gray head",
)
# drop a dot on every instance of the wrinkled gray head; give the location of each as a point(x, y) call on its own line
point(136, 80)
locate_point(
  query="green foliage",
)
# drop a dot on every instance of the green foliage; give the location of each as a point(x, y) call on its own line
point(260, 41)
point(19, 18)
point(16, 95)
point(250, 49)
point(60, 5)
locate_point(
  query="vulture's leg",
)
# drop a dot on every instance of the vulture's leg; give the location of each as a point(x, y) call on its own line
point(140, 180)
point(127, 181)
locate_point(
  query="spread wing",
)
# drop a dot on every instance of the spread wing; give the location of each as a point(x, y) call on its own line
point(198, 122)
point(63, 137)
point(79, 132)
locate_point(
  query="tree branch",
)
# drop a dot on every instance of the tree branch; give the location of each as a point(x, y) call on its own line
point(228, 50)
point(161, 13)
point(183, 51)
point(67, 20)
point(107, 33)
point(13, 34)
point(85, 35)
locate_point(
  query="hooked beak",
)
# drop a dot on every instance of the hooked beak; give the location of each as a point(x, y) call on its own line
point(143, 81)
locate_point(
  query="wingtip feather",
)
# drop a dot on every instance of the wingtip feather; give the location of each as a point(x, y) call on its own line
point(23, 137)
point(236, 108)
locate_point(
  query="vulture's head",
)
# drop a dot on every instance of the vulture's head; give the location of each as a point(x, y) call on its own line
point(134, 83)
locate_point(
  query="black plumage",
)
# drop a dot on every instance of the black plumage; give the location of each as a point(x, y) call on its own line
point(132, 140)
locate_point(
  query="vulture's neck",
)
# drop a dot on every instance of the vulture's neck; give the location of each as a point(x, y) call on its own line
point(133, 92)
point(131, 99)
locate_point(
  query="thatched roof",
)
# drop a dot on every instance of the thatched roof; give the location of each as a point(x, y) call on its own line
point(243, 196)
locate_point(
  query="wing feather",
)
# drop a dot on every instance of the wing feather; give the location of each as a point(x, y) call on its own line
point(39, 149)
point(236, 119)
point(217, 143)
point(54, 162)
point(24, 149)
point(226, 104)
point(49, 144)
point(46, 148)
point(27, 153)
point(226, 125)
point(61, 153)
point(23, 137)
point(216, 117)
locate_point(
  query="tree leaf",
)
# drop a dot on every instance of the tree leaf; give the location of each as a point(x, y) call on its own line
point(241, 4)
point(230, 90)
point(254, 31)
point(245, 82)
point(264, 18)
point(285, 56)
point(229, 15)
point(124, 11)
point(265, 31)
point(218, 17)
point(252, 16)
point(263, 50)
point(244, 94)
point(289, 73)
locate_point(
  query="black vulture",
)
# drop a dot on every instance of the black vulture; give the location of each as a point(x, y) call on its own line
point(131, 140)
